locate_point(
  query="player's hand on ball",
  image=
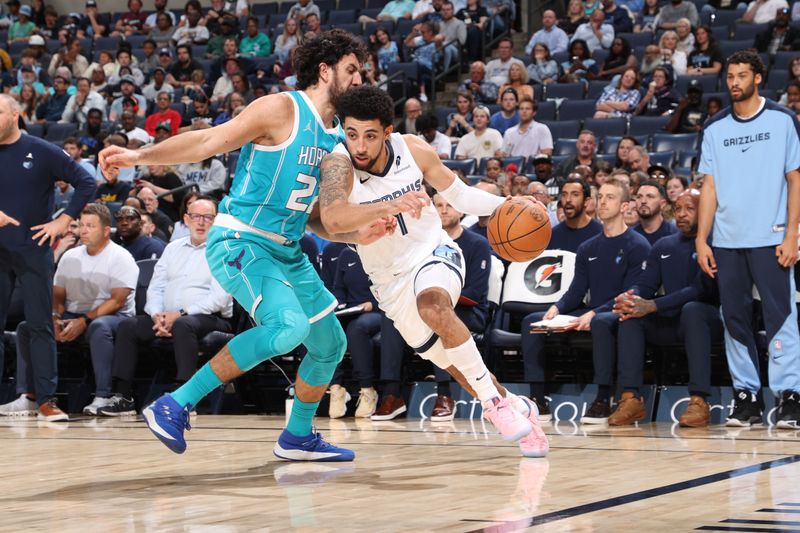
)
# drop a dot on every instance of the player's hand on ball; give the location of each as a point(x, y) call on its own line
point(378, 229)
point(527, 198)
point(118, 157)
point(411, 203)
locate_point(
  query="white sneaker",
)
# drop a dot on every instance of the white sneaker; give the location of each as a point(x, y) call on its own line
point(96, 404)
point(338, 403)
point(22, 406)
point(367, 403)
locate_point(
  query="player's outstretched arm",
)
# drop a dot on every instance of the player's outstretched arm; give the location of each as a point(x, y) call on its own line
point(267, 120)
point(341, 216)
point(462, 197)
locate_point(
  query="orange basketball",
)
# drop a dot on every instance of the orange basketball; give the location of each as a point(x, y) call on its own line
point(519, 230)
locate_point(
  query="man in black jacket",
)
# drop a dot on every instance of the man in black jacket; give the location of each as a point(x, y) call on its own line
point(779, 36)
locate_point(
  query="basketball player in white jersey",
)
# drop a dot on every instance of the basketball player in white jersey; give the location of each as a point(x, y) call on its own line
point(417, 271)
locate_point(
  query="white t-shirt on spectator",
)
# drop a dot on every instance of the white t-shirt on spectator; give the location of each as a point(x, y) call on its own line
point(473, 147)
point(527, 144)
point(497, 70)
point(88, 279)
point(187, 35)
point(768, 11)
point(442, 144)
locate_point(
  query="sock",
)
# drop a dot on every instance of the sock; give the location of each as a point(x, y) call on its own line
point(194, 390)
point(467, 359)
point(603, 393)
point(300, 421)
point(443, 387)
point(519, 405)
point(391, 387)
point(537, 390)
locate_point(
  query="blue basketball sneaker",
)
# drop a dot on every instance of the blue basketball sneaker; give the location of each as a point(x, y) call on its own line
point(167, 420)
point(310, 448)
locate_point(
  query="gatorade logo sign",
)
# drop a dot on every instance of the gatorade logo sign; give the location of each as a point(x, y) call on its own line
point(541, 280)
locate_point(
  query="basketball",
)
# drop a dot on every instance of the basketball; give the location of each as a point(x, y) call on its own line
point(519, 230)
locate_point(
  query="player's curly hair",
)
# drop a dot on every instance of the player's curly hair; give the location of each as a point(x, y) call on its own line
point(748, 57)
point(328, 47)
point(366, 102)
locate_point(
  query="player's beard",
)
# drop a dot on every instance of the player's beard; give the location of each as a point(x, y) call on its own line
point(369, 166)
point(335, 91)
point(746, 94)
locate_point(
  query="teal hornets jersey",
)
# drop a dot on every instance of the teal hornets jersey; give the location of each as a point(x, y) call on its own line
point(275, 187)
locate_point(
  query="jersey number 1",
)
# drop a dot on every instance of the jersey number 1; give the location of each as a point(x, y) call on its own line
point(401, 223)
point(294, 203)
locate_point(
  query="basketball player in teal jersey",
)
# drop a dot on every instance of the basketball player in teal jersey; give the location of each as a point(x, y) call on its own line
point(253, 248)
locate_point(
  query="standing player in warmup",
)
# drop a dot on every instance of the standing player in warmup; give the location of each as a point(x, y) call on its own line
point(755, 236)
point(253, 248)
point(417, 271)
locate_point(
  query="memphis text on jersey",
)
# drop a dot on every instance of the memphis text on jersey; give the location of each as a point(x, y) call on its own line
point(411, 187)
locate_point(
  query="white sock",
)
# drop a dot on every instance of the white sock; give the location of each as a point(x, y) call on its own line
point(467, 359)
point(517, 403)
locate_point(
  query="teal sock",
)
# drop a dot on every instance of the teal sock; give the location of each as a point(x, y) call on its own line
point(194, 390)
point(301, 418)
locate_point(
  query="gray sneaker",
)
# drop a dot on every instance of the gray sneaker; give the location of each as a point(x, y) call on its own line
point(22, 406)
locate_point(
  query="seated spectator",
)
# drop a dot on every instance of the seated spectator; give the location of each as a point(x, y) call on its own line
point(604, 169)
point(577, 227)
point(427, 43)
point(689, 116)
point(48, 28)
point(502, 12)
point(132, 22)
point(497, 69)
point(130, 236)
point(184, 304)
point(529, 137)
point(543, 68)
point(791, 97)
point(508, 115)
point(713, 106)
point(581, 67)
point(234, 101)
point(351, 288)
point(638, 160)
point(312, 26)
point(124, 60)
point(192, 32)
point(626, 143)
point(385, 48)
point(92, 25)
point(69, 56)
point(483, 91)
point(671, 54)
point(127, 87)
point(764, 11)
point(196, 87)
point(518, 80)
point(393, 10)
point(660, 99)
point(300, 10)
point(73, 149)
point(137, 137)
point(163, 30)
point(162, 179)
point(79, 104)
point(29, 101)
point(543, 169)
point(620, 58)
point(112, 190)
point(575, 17)
point(91, 135)
point(220, 8)
point(180, 230)
point(680, 312)
point(72, 237)
point(199, 117)
point(427, 125)
point(595, 33)
point(412, 111)
point(489, 186)
point(706, 58)
point(605, 266)
point(224, 85)
point(586, 148)
point(473, 304)
point(481, 141)
point(150, 201)
point(228, 32)
point(93, 292)
point(683, 28)
point(23, 27)
point(550, 35)
point(671, 13)
point(494, 170)
point(209, 175)
point(618, 17)
point(476, 17)
point(646, 18)
point(255, 43)
point(460, 122)
point(454, 31)
point(52, 107)
point(620, 99)
point(651, 200)
point(288, 40)
point(675, 186)
point(779, 36)
point(157, 85)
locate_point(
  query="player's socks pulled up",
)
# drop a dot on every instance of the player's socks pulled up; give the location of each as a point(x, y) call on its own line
point(301, 421)
point(467, 359)
point(198, 387)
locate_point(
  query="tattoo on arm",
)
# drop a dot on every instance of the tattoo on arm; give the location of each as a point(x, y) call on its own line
point(335, 173)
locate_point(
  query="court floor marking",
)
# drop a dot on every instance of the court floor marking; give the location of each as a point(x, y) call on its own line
point(633, 497)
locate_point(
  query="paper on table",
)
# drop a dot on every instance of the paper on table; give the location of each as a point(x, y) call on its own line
point(555, 324)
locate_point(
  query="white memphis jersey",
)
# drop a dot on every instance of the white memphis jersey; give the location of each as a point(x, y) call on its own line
point(414, 240)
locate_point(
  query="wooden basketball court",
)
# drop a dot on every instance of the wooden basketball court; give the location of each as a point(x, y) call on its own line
point(100, 475)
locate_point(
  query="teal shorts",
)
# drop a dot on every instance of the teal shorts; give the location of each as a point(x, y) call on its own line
point(240, 260)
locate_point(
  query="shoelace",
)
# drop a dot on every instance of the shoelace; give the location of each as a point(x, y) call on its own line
point(183, 417)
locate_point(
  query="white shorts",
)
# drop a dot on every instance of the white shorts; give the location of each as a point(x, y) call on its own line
point(444, 269)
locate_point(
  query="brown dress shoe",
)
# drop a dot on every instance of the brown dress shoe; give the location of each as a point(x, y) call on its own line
point(629, 410)
point(50, 412)
point(391, 407)
point(697, 414)
point(444, 410)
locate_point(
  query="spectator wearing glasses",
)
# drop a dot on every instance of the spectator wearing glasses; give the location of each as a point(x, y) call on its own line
point(52, 109)
point(184, 304)
point(130, 236)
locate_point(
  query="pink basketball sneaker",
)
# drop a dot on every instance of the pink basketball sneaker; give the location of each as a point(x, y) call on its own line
point(535, 443)
point(510, 423)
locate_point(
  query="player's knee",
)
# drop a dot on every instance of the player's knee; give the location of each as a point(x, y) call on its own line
point(288, 328)
point(434, 309)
